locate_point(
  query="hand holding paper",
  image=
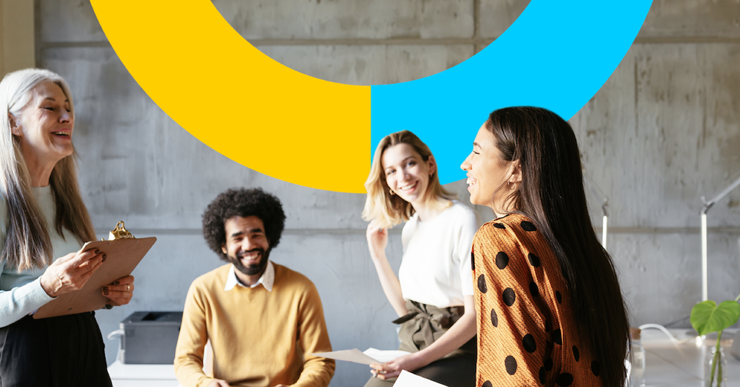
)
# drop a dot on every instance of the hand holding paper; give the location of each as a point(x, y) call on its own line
point(393, 368)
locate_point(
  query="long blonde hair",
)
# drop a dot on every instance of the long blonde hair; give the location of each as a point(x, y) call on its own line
point(389, 210)
point(27, 242)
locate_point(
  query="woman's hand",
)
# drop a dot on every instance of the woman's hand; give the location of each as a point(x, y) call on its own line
point(120, 291)
point(71, 272)
point(377, 240)
point(393, 368)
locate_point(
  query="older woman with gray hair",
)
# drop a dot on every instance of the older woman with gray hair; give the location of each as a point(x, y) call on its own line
point(42, 216)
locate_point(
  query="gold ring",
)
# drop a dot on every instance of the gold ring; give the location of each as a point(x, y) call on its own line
point(128, 288)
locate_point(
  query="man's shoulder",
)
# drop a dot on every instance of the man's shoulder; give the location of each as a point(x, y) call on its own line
point(214, 278)
point(291, 278)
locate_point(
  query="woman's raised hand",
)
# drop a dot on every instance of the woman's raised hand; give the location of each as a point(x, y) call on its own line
point(377, 240)
point(71, 272)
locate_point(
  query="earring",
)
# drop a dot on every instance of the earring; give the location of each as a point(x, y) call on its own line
point(391, 191)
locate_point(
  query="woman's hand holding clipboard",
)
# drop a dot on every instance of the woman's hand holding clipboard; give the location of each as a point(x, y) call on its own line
point(71, 272)
point(121, 258)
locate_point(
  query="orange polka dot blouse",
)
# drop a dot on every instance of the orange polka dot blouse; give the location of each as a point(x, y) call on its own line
point(526, 331)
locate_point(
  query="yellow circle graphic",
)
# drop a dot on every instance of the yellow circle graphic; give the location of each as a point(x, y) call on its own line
point(239, 101)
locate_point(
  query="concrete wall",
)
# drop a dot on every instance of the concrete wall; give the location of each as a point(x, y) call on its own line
point(664, 130)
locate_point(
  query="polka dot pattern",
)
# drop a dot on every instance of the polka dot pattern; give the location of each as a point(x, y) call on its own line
point(525, 329)
point(533, 289)
point(502, 260)
point(534, 260)
point(595, 368)
point(529, 344)
point(543, 374)
point(510, 364)
point(528, 226)
point(482, 283)
point(509, 297)
point(557, 337)
point(564, 379)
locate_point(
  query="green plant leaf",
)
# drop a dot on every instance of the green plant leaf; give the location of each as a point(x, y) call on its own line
point(708, 317)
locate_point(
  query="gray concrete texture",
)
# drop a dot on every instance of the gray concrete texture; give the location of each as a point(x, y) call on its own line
point(663, 131)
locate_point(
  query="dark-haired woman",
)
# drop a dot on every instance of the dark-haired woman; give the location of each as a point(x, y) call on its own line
point(548, 303)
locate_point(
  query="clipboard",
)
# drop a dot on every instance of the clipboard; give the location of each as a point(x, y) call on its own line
point(122, 257)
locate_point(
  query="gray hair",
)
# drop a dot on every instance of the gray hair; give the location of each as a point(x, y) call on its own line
point(27, 242)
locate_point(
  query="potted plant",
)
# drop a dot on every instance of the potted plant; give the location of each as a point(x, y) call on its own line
point(708, 317)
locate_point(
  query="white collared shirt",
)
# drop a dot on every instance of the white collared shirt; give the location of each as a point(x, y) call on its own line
point(268, 277)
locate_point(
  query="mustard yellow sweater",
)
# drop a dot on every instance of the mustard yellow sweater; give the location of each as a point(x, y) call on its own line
point(259, 337)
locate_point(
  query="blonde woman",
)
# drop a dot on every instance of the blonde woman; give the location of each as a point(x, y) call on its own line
point(42, 216)
point(433, 293)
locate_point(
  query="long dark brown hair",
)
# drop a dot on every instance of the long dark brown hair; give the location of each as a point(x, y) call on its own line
point(551, 194)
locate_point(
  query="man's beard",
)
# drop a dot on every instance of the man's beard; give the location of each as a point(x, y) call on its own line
point(254, 269)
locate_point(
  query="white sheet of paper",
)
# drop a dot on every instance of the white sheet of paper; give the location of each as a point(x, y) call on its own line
point(371, 356)
point(353, 355)
point(407, 379)
point(384, 356)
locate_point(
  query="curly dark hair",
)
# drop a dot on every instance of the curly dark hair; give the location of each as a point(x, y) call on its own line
point(242, 202)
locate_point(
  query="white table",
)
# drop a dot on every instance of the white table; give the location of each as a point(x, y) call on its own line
point(678, 365)
point(151, 375)
point(142, 375)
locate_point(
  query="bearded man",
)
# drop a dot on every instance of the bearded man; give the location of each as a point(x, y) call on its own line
point(262, 319)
